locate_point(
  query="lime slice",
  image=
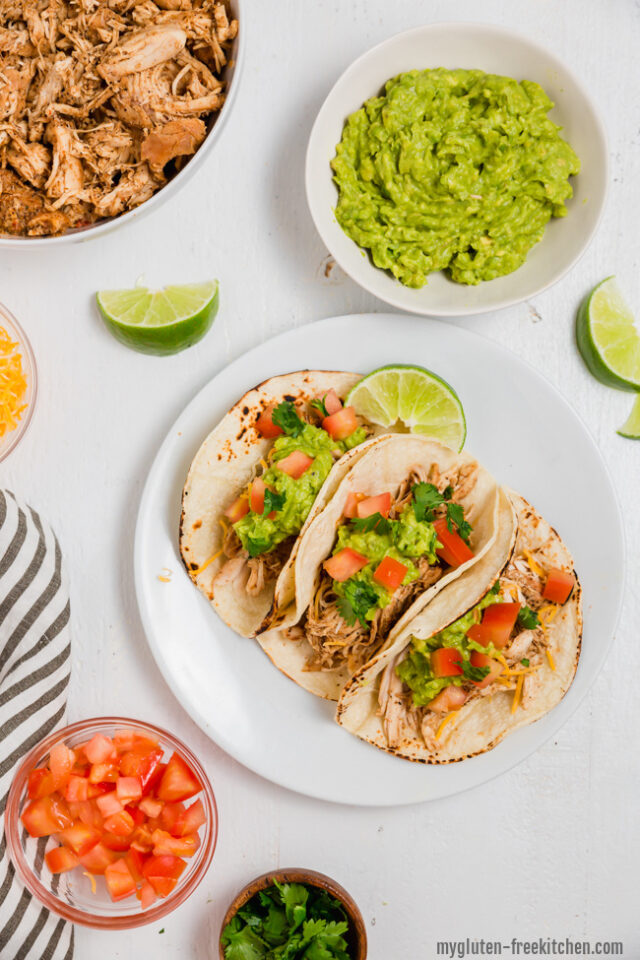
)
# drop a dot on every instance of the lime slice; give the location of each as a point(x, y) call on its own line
point(631, 427)
point(401, 395)
point(608, 338)
point(160, 321)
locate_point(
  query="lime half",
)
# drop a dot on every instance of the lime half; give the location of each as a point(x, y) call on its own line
point(413, 398)
point(608, 338)
point(160, 321)
point(631, 427)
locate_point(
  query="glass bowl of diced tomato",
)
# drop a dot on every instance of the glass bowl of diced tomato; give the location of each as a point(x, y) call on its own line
point(111, 823)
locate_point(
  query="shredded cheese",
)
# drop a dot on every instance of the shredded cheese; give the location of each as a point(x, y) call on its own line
point(265, 465)
point(446, 720)
point(504, 663)
point(93, 881)
point(164, 579)
point(547, 613)
point(223, 524)
point(535, 568)
point(552, 662)
point(198, 570)
point(517, 695)
point(13, 383)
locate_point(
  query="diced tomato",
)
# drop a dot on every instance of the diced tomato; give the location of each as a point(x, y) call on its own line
point(116, 842)
point(163, 873)
point(341, 424)
point(121, 824)
point(124, 740)
point(79, 837)
point(147, 765)
point(77, 788)
point(144, 743)
point(150, 807)
point(135, 861)
point(185, 846)
point(61, 761)
point(454, 550)
point(498, 622)
point(559, 585)
point(137, 815)
point(344, 564)
point(351, 505)
point(256, 496)
point(40, 783)
point(108, 804)
point(170, 815)
point(379, 504)
point(152, 776)
point(45, 816)
point(295, 464)
point(141, 839)
point(128, 789)
point(87, 812)
point(238, 509)
point(191, 820)
point(445, 662)
point(178, 782)
point(147, 895)
point(265, 425)
point(103, 773)
point(482, 660)
point(61, 859)
point(97, 789)
point(98, 858)
point(100, 749)
point(332, 402)
point(390, 573)
point(120, 883)
point(451, 698)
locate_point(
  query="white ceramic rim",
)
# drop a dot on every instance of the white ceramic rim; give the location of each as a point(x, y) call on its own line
point(11, 440)
point(318, 216)
point(102, 227)
point(459, 776)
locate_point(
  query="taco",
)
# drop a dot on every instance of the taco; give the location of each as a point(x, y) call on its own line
point(494, 651)
point(408, 518)
point(259, 477)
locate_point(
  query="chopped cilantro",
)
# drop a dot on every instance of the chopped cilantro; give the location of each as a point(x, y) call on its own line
point(272, 501)
point(319, 405)
point(258, 545)
point(359, 597)
point(525, 662)
point(426, 497)
point(374, 521)
point(288, 921)
point(285, 416)
point(455, 516)
point(474, 674)
point(528, 618)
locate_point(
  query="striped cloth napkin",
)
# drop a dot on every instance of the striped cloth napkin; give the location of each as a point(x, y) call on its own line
point(34, 673)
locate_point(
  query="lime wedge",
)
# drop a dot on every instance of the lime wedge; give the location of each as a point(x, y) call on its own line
point(608, 338)
point(160, 321)
point(409, 397)
point(631, 427)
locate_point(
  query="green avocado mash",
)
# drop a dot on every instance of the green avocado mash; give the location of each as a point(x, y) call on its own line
point(402, 539)
point(415, 670)
point(452, 169)
point(260, 534)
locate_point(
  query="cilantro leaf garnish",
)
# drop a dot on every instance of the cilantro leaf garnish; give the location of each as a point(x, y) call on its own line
point(528, 618)
point(474, 674)
point(286, 417)
point(258, 545)
point(319, 405)
point(374, 521)
point(426, 497)
point(455, 517)
point(272, 501)
point(525, 662)
point(357, 599)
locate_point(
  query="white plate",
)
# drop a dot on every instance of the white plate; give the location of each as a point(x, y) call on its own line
point(519, 427)
point(496, 50)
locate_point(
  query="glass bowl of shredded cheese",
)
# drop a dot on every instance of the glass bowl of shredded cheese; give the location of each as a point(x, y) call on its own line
point(18, 382)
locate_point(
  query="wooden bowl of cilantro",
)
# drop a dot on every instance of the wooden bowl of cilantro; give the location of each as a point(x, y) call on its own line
point(294, 914)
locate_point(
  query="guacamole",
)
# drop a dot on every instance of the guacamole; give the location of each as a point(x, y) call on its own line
point(455, 170)
point(415, 670)
point(403, 539)
point(260, 533)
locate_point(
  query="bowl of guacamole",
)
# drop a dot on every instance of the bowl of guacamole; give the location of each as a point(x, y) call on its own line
point(457, 169)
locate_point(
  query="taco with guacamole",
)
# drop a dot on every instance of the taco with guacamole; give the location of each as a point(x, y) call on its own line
point(409, 517)
point(260, 476)
point(494, 651)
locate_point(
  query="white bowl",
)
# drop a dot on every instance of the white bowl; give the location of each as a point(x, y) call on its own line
point(494, 50)
point(216, 124)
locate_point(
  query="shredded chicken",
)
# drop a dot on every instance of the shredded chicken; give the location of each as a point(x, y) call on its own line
point(100, 102)
point(266, 567)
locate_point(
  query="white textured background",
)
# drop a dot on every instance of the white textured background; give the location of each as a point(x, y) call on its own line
point(551, 848)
